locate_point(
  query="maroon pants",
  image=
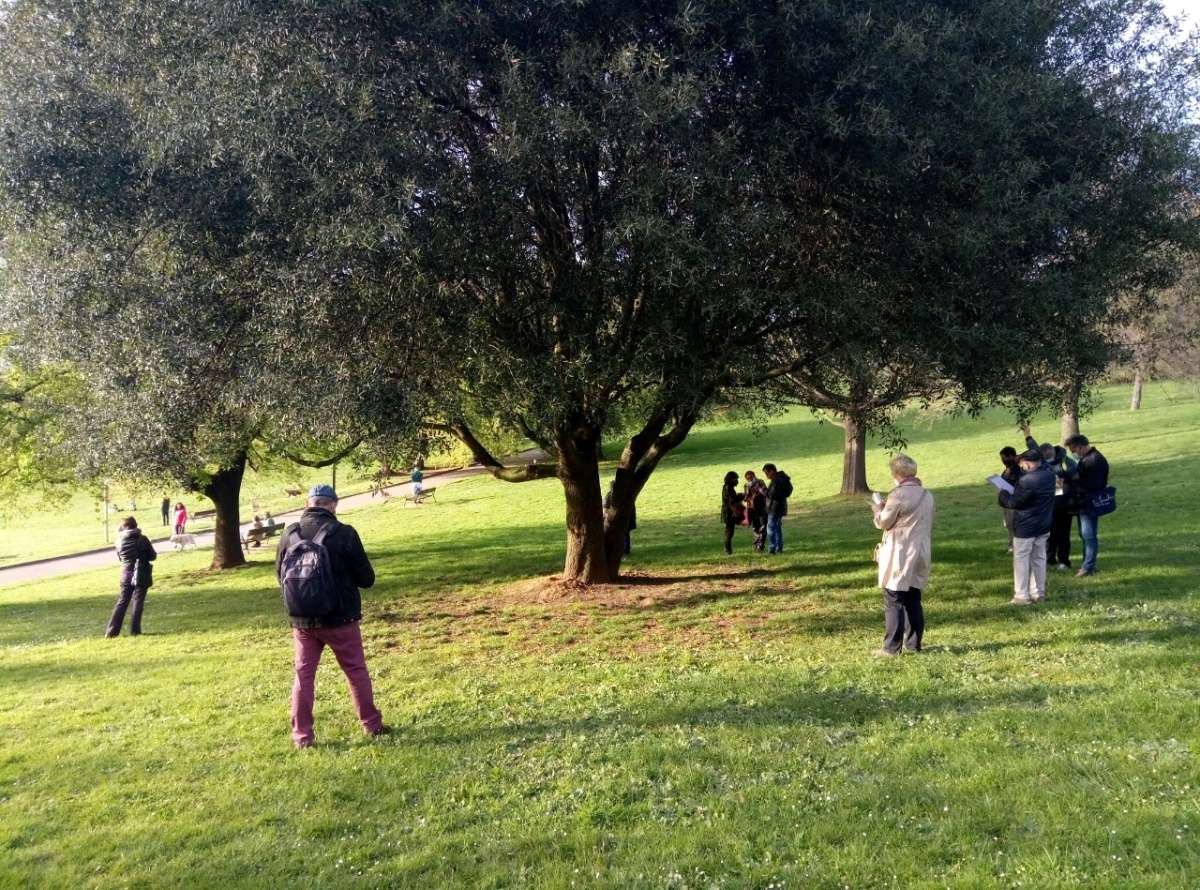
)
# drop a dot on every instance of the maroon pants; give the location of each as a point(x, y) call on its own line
point(346, 643)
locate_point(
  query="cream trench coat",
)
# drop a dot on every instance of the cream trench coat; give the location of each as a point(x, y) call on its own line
point(904, 555)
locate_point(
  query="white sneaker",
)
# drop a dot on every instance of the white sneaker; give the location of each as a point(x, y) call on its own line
point(1038, 599)
point(1020, 601)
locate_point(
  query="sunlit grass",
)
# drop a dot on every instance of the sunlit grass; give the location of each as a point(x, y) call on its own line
point(682, 731)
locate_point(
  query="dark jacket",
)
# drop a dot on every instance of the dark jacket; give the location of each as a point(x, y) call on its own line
point(1063, 469)
point(1091, 473)
point(351, 568)
point(732, 510)
point(776, 502)
point(136, 553)
point(1033, 502)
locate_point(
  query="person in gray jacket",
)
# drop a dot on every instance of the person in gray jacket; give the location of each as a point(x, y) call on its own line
point(1032, 503)
point(137, 575)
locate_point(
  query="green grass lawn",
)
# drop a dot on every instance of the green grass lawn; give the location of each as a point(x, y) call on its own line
point(713, 723)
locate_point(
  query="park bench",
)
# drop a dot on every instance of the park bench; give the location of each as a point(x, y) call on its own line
point(255, 536)
point(427, 494)
point(202, 514)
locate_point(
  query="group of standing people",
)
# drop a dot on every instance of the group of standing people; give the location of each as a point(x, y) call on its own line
point(759, 506)
point(1049, 490)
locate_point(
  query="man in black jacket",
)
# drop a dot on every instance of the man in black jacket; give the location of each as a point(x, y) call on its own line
point(1090, 477)
point(137, 575)
point(1032, 503)
point(1058, 546)
point(779, 489)
point(339, 630)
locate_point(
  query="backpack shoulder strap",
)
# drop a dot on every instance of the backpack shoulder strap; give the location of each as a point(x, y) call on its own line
point(325, 531)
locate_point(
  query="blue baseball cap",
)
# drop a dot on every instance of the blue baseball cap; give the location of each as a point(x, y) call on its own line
point(323, 491)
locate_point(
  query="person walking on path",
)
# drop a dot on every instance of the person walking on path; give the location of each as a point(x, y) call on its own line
point(733, 510)
point(181, 518)
point(779, 489)
point(320, 546)
point(1032, 499)
point(904, 556)
point(137, 575)
point(166, 511)
point(1090, 478)
point(754, 498)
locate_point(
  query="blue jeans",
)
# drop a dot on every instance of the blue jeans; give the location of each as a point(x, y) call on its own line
point(774, 533)
point(1088, 530)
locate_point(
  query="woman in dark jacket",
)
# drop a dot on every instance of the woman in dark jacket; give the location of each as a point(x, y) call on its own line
point(732, 508)
point(136, 554)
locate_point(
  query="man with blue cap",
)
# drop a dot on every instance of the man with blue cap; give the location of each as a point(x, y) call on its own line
point(321, 564)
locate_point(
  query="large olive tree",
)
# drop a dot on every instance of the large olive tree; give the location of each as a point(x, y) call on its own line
point(558, 213)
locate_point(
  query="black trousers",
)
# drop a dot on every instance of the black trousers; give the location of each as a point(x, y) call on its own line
point(730, 527)
point(128, 593)
point(1058, 545)
point(904, 619)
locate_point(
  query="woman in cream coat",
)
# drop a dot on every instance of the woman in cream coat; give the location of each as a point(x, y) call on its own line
point(906, 518)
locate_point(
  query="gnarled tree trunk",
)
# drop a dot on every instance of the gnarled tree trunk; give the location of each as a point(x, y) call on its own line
point(224, 490)
point(1069, 425)
point(854, 456)
point(1135, 401)
point(579, 472)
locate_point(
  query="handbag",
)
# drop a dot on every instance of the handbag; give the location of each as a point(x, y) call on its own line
point(1100, 503)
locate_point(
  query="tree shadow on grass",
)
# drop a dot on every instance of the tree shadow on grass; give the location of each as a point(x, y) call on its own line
point(783, 708)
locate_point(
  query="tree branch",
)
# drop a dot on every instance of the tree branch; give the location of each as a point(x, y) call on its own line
point(324, 462)
point(523, 473)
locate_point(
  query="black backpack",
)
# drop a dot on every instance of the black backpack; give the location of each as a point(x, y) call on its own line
point(306, 575)
point(783, 485)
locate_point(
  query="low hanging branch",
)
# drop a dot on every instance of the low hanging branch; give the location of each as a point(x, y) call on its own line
point(524, 473)
point(321, 462)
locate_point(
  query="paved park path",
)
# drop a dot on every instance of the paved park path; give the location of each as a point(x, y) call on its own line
point(105, 558)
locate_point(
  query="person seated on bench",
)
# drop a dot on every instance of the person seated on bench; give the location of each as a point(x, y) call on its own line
point(270, 522)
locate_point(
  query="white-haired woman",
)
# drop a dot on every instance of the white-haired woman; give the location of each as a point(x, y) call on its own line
point(906, 518)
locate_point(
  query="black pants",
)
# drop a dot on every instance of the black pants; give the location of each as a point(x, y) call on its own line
point(729, 530)
point(1058, 545)
point(128, 592)
point(758, 522)
point(904, 620)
